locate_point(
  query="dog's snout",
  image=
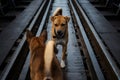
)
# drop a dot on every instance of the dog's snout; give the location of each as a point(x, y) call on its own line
point(59, 32)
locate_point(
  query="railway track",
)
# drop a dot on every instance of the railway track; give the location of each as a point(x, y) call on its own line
point(87, 59)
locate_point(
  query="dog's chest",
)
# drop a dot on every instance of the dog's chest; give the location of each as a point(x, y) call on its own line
point(60, 41)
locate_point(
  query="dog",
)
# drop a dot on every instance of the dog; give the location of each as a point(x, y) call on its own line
point(59, 31)
point(44, 64)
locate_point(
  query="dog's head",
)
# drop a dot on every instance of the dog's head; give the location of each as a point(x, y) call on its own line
point(60, 25)
point(35, 42)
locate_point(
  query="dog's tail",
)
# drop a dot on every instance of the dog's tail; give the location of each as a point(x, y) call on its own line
point(58, 12)
point(48, 58)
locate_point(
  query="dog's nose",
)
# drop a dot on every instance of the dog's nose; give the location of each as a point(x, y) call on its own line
point(59, 32)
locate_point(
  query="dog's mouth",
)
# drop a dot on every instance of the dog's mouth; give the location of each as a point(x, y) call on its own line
point(59, 34)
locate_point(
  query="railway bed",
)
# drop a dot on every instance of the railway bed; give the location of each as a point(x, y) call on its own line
point(87, 59)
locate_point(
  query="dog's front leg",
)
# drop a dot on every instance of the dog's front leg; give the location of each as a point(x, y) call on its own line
point(63, 56)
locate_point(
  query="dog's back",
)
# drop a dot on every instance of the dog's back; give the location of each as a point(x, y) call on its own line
point(36, 46)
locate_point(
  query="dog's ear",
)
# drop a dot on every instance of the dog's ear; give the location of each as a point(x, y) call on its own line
point(29, 36)
point(43, 36)
point(52, 18)
point(67, 18)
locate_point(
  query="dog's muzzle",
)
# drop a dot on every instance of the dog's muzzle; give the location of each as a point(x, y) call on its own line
point(59, 34)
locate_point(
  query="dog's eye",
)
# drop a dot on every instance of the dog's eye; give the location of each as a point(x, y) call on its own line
point(56, 25)
point(62, 24)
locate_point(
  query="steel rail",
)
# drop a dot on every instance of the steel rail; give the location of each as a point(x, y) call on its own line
point(111, 62)
point(102, 46)
point(95, 64)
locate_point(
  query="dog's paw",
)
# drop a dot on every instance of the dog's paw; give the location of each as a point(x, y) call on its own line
point(62, 64)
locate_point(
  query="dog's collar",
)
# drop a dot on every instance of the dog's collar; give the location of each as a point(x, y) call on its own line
point(56, 36)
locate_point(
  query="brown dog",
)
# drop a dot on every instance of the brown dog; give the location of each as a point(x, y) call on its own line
point(59, 31)
point(43, 62)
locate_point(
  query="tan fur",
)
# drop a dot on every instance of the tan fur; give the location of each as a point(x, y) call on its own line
point(52, 67)
point(48, 56)
point(38, 69)
point(60, 23)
